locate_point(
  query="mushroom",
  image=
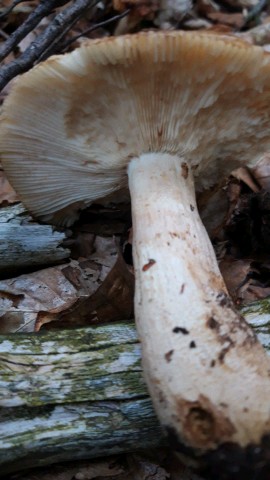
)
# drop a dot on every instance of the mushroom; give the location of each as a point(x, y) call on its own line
point(166, 113)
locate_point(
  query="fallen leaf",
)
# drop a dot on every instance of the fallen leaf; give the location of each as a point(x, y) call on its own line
point(83, 470)
point(98, 289)
point(235, 274)
point(111, 301)
point(246, 280)
point(142, 8)
point(244, 175)
point(235, 20)
point(142, 468)
point(24, 298)
point(261, 172)
point(204, 7)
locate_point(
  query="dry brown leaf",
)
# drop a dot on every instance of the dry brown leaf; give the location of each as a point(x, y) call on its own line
point(97, 289)
point(111, 301)
point(261, 172)
point(250, 293)
point(234, 273)
point(204, 7)
point(245, 280)
point(143, 8)
point(82, 245)
point(83, 470)
point(139, 9)
point(235, 20)
point(244, 175)
point(25, 298)
point(141, 468)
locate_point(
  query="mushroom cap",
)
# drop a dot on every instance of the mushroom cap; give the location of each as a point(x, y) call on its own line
point(72, 124)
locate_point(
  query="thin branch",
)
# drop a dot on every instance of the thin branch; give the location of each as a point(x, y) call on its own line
point(95, 27)
point(9, 9)
point(63, 20)
point(3, 34)
point(254, 12)
point(56, 44)
point(44, 8)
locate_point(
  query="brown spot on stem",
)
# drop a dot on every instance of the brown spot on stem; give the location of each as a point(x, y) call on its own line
point(192, 208)
point(212, 323)
point(182, 288)
point(148, 265)
point(168, 356)
point(224, 300)
point(203, 424)
point(226, 349)
point(185, 169)
point(182, 330)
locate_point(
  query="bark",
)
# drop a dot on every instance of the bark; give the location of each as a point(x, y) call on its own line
point(25, 244)
point(80, 394)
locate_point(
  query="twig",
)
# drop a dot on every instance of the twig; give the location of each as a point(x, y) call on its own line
point(95, 27)
point(3, 34)
point(63, 20)
point(254, 12)
point(44, 8)
point(9, 9)
point(56, 45)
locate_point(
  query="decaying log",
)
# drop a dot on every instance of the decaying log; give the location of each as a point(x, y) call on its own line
point(26, 244)
point(80, 393)
point(72, 394)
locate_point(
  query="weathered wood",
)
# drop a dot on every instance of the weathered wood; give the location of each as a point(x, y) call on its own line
point(72, 394)
point(80, 393)
point(25, 244)
point(258, 315)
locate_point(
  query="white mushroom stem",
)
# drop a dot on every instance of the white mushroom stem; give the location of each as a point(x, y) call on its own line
point(207, 373)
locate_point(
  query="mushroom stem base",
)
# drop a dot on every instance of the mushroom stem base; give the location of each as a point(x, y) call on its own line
point(206, 372)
